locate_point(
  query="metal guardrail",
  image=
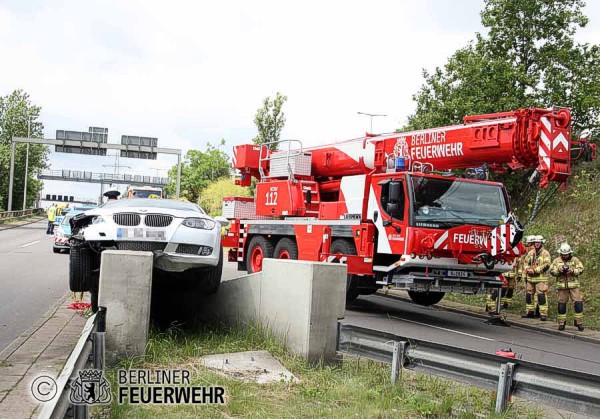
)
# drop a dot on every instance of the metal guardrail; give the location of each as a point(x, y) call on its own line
point(91, 177)
point(18, 214)
point(574, 391)
point(88, 351)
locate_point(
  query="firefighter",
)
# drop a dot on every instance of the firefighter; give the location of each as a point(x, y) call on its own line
point(537, 263)
point(529, 246)
point(566, 268)
point(512, 278)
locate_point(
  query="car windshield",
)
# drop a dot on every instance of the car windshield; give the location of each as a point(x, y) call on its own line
point(153, 203)
point(145, 193)
point(65, 220)
point(455, 201)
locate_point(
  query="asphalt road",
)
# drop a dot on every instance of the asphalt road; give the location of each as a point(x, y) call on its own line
point(459, 330)
point(32, 278)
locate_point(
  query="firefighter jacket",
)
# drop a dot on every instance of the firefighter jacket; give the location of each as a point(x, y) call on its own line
point(566, 280)
point(517, 271)
point(540, 263)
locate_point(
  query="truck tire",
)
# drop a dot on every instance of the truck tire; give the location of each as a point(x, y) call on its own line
point(426, 298)
point(286, 249)
point(259, 249)
point(347, 248)
point(80, 268)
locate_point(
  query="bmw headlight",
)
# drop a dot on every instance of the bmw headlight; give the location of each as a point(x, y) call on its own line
point(201, 223)
point(97, 220)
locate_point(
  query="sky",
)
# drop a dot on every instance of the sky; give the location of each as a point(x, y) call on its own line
point(192, 72)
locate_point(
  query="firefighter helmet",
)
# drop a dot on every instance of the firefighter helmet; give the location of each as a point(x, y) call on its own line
point(529, 239)
point(565, 249)
point(538, 239)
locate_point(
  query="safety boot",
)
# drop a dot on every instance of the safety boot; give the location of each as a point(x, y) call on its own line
point(579, 326)
point(562, 326)
point(543, 318)
point(528, 315)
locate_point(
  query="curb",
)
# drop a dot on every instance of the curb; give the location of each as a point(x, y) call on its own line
point(12, 225)
point(23, 337)
point(508, 321)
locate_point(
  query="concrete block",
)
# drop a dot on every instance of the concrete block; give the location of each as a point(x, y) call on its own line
point(298, 300)
point(303, 302)
point(125, 291)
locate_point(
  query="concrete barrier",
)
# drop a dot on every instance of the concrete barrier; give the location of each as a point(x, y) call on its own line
point(300, 301)
point(125, 291)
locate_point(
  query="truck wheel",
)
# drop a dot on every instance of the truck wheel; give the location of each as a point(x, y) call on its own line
point(286, 249)
point(80, 268)
point(212, 279)
point(426, 298)
point(259, 249)
point(347, 247)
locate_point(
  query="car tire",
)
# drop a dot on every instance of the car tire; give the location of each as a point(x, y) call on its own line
point(212, 280)
point(80, 268)
point(426, 298)
point(286, 248)
point(56, 249)
point(259, 249)
point(346, 247)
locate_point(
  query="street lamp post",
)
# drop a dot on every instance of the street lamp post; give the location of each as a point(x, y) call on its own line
point(371, 115)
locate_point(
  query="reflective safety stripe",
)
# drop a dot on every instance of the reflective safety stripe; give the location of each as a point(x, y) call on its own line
point(571, 284)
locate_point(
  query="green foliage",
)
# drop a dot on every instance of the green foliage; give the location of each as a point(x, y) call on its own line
point(528, 58)
point(270, 120)
point(15, 111)
point(351, 388)
point(198, 170)
point(211, 197)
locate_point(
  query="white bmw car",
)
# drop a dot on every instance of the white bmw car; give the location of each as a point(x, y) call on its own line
point(184, 240)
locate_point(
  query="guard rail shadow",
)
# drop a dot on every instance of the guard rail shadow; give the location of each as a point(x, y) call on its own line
point(577, 392)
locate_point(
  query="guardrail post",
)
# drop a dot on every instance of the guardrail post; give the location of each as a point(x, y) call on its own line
point(99, 342)
point(398, 360)
point(80, 411)
point(504, 385)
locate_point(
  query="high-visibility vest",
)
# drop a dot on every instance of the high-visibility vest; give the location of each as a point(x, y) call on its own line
point(52, 214)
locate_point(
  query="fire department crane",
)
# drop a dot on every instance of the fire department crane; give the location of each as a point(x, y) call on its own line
point(389, 206)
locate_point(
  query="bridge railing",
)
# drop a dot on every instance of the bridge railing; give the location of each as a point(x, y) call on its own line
point(19, 214)
point(81, 175)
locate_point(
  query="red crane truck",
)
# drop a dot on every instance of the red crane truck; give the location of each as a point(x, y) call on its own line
point(389, 206)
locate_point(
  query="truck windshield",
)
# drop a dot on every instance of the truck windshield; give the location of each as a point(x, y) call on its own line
point(449, 202)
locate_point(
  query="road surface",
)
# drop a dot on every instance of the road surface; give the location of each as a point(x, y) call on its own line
point(32, 278)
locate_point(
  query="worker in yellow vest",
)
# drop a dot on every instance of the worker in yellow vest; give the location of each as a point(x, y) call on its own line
point(51, 218)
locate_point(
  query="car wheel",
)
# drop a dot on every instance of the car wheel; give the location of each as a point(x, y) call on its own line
point(286, 249)
point(259, 249)
point(347, 247)
point(56, 249)
point(426, 298)
point(212, 280)
point(80, 268)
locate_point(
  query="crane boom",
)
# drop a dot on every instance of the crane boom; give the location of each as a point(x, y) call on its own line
point(525, 138)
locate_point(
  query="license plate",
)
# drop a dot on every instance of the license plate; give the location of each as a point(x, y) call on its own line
point(444, 273)
point(141, 234)
point(459, 274)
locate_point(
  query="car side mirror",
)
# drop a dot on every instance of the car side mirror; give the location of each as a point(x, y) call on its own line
point(222, 220)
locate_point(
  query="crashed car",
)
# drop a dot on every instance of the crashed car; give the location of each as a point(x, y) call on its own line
point(184, 239)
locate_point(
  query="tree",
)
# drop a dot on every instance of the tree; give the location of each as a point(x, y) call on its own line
point(198, 170)
point(212, 196)
point(16, 112)
point(270, 120)
point(528, 58)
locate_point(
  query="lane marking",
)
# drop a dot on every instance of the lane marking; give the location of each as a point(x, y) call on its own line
point(442, 328)
point(29, 244)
